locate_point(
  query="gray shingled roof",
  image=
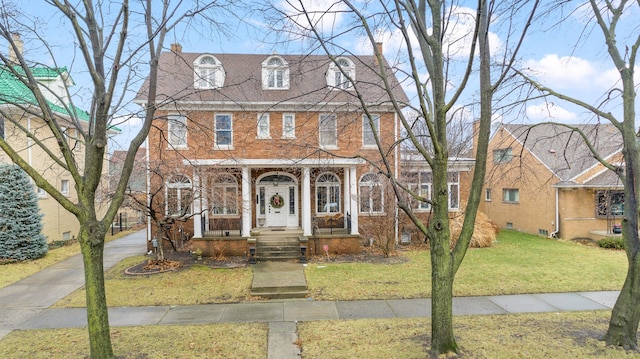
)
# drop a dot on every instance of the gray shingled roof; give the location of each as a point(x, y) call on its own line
point(564, 151)
point(243, 82)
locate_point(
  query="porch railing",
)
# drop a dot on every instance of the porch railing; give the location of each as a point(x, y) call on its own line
point(224, 227)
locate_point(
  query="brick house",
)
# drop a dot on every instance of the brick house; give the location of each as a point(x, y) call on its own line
point(252, 143)
point(544, 180)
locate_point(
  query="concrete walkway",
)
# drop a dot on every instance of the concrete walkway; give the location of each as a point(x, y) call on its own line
point(25, 304)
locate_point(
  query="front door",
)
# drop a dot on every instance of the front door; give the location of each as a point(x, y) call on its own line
point(277, 206)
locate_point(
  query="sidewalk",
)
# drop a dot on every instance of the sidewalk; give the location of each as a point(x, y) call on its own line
point(25, 304)
point(27, 299)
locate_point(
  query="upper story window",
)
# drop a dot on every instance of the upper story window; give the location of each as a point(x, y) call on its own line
point(64, 187)
point(264, 126)
point(177, 128)
point(328, 130)
point(341, 74)
point(224, 131)
point(288, 125)
point(420, 183)
point(179, 196)
point(275, 74)
point(208, 73)
point(368, 137)
point(328, 193)
point(502, 155)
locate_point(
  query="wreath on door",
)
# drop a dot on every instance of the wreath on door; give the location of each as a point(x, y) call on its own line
point(276, 201)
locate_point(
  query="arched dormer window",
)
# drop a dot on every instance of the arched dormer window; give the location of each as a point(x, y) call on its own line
point(208, 73)
point(275, 74)
point(340, 72)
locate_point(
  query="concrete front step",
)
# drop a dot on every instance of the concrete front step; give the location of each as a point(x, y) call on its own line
point(277, 249)
point(279, 280)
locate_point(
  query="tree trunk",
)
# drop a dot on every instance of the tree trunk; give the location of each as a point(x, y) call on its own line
point(91, 238)
point(442, 338)
point(623, 326)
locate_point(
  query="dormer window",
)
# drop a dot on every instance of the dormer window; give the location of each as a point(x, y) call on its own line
point(275, 74)
point(341, 74)
point(208, 72)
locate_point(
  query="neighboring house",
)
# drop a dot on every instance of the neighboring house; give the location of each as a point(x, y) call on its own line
point(17, 101)
point(543, 180)
point(132, 211)
point(259, 142)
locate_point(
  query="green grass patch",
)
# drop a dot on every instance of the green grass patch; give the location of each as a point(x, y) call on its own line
point(547, 335)
point(517, 263)
point(194, 285)
point(228, 340)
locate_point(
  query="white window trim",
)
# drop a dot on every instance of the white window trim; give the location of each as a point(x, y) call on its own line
point(371, 185)
point(172, 119)
point(504, 192)
point(328, 185)
point(223, 186)
point(268, 69)
point(335, 130)
point(292, 134)
point(179, 186)
point(218, 73)
point(64, 189)
point(349, 70)
point(365, 129)
point(215, 132)
point(267, 118)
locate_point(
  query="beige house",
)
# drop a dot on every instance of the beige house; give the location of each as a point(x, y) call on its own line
point(544, 180)
point(18, 103)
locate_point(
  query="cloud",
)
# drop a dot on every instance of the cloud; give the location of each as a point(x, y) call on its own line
point(325, 15)
point(550, 112)
point(562, 72)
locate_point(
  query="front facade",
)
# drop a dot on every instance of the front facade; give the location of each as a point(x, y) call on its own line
point(544, 180)
point(247, 143)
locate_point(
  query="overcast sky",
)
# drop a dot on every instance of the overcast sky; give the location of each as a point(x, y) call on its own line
point(569, 56)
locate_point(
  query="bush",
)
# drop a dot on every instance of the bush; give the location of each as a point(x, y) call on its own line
point(21, 235)
point(612, 243)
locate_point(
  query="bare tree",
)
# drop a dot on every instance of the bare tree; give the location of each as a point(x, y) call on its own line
point(114, 41)
point(430, 33)
point(610, 17)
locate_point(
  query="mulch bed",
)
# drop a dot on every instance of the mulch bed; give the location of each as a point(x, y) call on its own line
point(181, 260)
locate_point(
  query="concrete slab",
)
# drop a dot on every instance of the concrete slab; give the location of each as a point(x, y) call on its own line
point(254, 312)
point(522, 304)
point(4, 333)
point(136, 316)
point(194, 314)
point(570, 301)
point(58, 318)
point(310, 310)
point(282, 346)
point(282, 327)
point(14, 317)
point(606, 298)
point(277, 275)
point(33, 295)
point(410, 308)
point(55, 275)
point(475, 305)
point(364, 309)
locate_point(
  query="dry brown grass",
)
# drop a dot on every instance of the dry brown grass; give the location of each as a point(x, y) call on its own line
point(484, 232)
point(228, 340)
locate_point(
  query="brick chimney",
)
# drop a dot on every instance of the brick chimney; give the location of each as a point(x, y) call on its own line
point(379, 50)
point(19, 44)
point(176, 48)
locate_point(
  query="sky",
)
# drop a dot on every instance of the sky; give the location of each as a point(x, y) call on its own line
point(568, 56)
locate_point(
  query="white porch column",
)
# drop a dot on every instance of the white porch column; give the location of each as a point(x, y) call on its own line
point(353, 183)
point(197, 206)
point(306, 202)
point(347, 195)
point(246, 202)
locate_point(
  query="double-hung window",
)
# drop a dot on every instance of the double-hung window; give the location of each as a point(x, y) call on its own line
point(179, 196)
point(370, 129)
point(511, 195)
point(224, 195)
point(327, 193)
point(328, 130)
point(177, 127)
point(224, 131)
point(264, 126)
point(371, 195)
point(288, 125)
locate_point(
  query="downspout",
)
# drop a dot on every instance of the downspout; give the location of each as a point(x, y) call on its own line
point(397, 161)
point(554, 234)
